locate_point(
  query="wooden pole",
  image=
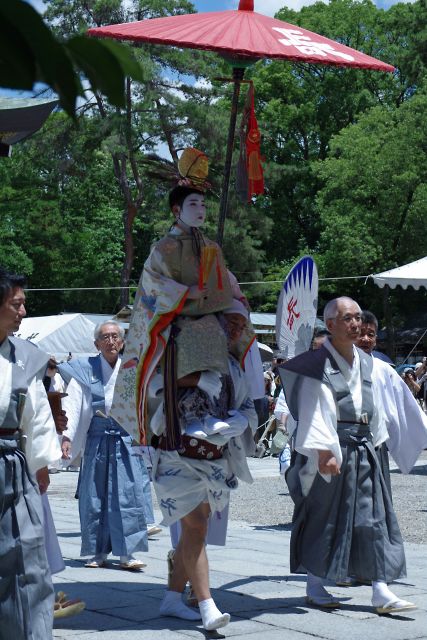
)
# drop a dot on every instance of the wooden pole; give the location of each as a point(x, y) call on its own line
point(238, 74)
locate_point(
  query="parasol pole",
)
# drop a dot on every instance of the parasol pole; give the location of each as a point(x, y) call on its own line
point(238, 73)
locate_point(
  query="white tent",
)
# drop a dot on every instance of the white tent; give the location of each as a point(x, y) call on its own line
point(59, 335)
point(413, 274)
point(265, 351)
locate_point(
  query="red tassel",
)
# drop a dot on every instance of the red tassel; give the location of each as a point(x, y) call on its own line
point(253, 151)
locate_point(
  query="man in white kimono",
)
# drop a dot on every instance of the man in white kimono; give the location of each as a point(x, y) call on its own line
point(114, 487)
point(28, 443)
point(195, 481)
point(344, 523)
point(406, 422)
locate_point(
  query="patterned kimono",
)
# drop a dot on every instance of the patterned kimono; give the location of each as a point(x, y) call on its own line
point(182, 483)
point(161, 303)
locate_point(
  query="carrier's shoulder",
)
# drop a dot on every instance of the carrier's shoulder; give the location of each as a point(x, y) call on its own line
point(310, 364)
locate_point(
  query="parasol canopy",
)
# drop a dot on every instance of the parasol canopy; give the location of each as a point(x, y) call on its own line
point(242, 33)
point(242, 36)
point(413, 275)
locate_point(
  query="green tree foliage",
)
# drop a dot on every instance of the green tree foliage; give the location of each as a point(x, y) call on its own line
point(373, 202)
point(302, 106)
point(30, 53)
point(344, 159)
point(60, 205)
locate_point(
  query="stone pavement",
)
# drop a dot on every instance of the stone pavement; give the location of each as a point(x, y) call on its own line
point(250, 579)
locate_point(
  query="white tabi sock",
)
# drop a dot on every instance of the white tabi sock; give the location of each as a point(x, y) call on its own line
point(315, 588)
point(212, 617)
point(124, 559)
point(381, 594)
point(172, 605)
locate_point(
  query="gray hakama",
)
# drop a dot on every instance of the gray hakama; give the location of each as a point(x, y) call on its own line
point(345, 526)
point(53, 550)
point(26, 592)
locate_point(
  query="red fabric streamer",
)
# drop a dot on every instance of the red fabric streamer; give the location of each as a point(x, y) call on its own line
point(253, 151)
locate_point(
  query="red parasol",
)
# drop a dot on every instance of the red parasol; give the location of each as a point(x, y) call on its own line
point(243, 36)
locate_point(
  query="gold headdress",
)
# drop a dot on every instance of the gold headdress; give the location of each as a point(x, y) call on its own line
point(193, 167)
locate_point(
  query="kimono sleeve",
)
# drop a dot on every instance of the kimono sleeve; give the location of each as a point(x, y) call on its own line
point(317, 421)
point(41, 440)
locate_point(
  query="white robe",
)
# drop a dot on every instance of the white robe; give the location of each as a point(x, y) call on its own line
point(406, 422)
point(39, 432)
point(318, 415)
point(78, 406)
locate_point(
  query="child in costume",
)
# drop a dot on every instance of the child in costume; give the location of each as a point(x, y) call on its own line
point(175, 322)
point(190, 393)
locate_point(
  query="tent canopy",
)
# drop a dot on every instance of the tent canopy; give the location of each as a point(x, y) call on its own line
point(413, 274)
point(20, 118)
point(59, 335)
point(266, 352)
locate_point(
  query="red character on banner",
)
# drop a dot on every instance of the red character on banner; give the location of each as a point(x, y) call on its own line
point(292, 313)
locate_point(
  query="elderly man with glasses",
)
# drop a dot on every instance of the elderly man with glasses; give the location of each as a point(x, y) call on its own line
point(344, 523)
point(114, 487)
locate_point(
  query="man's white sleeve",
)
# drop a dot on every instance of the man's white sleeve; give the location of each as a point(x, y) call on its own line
point(317, 421)
point(40, 437)
point(406, 422)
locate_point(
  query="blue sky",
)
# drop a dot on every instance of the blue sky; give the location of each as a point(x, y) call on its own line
point(268, 7)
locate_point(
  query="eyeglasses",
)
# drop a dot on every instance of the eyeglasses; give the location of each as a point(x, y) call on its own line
point(106, 337)
point(349, 317)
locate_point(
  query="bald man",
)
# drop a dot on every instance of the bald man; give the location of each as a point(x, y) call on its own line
point(344, 523)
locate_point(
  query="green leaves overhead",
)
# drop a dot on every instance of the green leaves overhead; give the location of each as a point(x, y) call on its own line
point(344, 149)
point(372, 203)
point(105, 64)
point(30, 53)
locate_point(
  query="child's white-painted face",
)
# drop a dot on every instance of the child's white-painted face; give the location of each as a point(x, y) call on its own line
point(193, 210)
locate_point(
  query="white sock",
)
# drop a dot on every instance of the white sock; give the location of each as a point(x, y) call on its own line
point(212, 617)
point(172, 605)
point(124, 559)
point(315, 588)
point(381, 594)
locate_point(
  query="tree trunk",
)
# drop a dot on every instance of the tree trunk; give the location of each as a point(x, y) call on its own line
point(129, 215)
